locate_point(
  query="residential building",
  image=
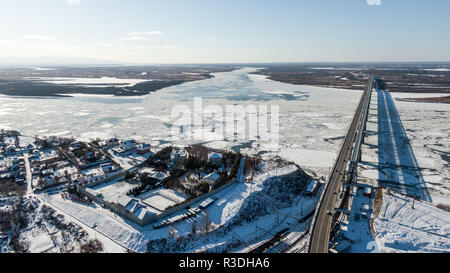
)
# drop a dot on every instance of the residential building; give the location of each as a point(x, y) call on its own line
point(143, 148)
point(215, 158)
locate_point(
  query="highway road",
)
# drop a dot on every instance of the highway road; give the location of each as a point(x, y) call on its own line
point(320, 233)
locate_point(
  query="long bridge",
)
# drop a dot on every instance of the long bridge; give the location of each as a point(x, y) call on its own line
point(344, 170)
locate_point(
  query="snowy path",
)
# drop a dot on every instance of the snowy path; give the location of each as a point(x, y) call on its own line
point(28, 175)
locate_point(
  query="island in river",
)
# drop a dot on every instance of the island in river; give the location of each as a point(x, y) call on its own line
point(117, 81)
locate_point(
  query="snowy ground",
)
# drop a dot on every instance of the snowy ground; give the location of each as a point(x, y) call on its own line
point(162, 198)
point(410, 142)
point(402, 228)
point(229, 202)
point(112, 191)
point(406, 151)
point(48, 230)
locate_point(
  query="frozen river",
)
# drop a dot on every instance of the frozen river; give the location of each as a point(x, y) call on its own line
point(312, 119)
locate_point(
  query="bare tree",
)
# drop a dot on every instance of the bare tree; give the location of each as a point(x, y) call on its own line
point(194, 227)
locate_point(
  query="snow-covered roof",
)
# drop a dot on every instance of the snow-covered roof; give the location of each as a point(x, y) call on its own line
point(215, 156)
point(159, 175)
point(143, 146)
point(132, 206)
point(142, 213)
point(212, 176)
point(365, 207)
point(124, 201)
point(91, 191)
point(206, 203)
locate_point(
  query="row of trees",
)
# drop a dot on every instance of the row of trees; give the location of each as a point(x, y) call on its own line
point(146, 182)
point(160, 160)
point(14, 221)
point(226, 178)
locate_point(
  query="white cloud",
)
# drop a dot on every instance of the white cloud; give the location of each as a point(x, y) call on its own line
point(373, 2)
point(58, 47)
point(152, 32)
point(169, 47)
point(73, 2)
point(104, 44)
point(6, 41)
point(36, 37)
point(134, 38)
point(144, 47)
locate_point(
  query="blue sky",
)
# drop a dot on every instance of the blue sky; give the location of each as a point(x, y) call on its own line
point(205, 31)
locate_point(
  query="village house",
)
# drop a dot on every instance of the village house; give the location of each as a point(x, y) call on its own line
point(10, 149)
point(108, 167)
point(211, 178)
point(20, 181)
point(215, 159)
point(109, 143)
point(112, 142)
point(143, 148)
point(159, 176)
point(125, 146)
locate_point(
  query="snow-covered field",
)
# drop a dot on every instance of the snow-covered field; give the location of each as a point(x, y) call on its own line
point(49, 230)
point(406, 151)
point(412, 148)
point(112, 191)
point(404, 225)
point(228, 204)
point(162, 198)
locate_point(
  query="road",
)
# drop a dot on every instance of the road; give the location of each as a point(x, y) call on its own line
point(28, 175)
point(320, 233)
